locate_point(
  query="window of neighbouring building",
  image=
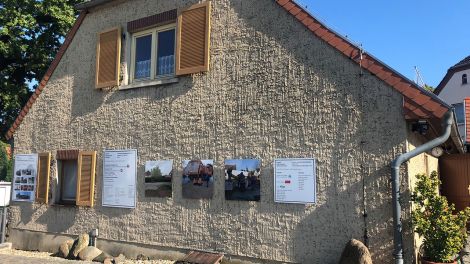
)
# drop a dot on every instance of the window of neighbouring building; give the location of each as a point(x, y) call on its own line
point(153, 53)
point(460, 113)
point(464, 79)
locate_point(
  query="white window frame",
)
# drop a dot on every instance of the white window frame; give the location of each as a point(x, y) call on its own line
point(154, 54)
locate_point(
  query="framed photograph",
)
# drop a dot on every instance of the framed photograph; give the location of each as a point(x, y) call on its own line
point(198, 179)
point(242, 179)
point(158, 178)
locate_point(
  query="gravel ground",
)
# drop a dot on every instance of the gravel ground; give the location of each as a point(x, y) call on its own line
point(46, 255)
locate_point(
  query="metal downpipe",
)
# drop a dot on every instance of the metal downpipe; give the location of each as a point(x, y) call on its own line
point(397, 225)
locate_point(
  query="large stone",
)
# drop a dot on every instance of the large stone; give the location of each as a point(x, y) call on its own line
point(119, 259)
point(89, 253)
point(355, 252)
point(64, 248)
point(83, 241)
point(102, 257)
point(108, 261)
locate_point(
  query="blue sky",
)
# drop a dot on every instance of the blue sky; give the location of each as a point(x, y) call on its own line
point(242, 164)
point(432, 35)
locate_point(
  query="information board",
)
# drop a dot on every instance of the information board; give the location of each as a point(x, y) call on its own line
point(295, 181)
point(25, 175)
point(119, 178)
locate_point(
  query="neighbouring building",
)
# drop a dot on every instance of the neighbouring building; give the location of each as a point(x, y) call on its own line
point(179, 79)
point(454, 89)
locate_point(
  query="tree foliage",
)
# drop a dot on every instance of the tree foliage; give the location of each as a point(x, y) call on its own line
point(429, 88)
point(31, 32)
point(442, 231)
point(6, 163)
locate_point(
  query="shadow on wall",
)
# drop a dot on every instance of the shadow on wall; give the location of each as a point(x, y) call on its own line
point(58, 219)
point(378, 134)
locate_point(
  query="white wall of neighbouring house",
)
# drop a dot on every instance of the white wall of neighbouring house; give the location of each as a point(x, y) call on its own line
point(454, 92)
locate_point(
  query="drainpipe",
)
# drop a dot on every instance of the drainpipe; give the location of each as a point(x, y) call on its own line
point(397, 225)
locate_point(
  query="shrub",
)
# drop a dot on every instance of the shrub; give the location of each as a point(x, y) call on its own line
point(442, 231)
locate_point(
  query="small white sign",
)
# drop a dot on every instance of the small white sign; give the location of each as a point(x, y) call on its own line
point(25, 175)
point(119, 178)
point(295, 181)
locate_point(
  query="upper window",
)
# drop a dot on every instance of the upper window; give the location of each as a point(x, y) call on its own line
point(464, 79)
point(153, 53)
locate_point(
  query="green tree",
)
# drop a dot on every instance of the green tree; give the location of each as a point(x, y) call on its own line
point(31, 32)
point(6, 164)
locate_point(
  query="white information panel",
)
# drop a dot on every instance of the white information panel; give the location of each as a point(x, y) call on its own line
point(25, 175)
point(295, 181)
point(119, 178)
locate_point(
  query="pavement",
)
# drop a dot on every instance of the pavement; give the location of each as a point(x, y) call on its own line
point(14, 259)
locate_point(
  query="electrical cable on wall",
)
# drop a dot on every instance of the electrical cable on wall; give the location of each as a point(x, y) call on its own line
point(362, 143)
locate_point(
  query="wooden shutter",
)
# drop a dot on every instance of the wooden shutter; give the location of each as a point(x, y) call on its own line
point(86, 178)
point(42, 181)
point(193, 39)
point(108, 56)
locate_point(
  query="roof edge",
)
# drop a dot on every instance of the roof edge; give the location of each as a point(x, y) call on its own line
point(428, 105)
point(91, 4)
point(47, 75)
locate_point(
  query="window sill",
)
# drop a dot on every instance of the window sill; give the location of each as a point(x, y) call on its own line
point(143, 84)
point(63, 205)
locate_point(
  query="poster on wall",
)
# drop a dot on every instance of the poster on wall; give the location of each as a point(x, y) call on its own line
point(295, 181)
point(158, 176)
point(242, 179)
point(119, 178)
point(198, 179)
point(25, 173)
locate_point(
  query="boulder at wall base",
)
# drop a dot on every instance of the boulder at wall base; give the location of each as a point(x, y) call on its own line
point(89, 253)
point(119, 259)
point(82, 243)
point(102, 257)
point(355, 252)
point(72, 248)
point(64, 248)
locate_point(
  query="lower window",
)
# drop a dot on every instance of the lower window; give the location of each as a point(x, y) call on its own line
point(68, 181)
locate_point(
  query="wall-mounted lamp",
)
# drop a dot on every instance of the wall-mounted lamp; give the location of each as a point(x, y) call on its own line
point(421, 126)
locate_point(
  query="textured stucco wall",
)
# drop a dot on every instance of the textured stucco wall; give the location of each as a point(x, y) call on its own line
point(274, 90)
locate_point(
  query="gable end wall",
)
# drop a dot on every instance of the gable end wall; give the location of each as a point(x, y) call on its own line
point(273, 90)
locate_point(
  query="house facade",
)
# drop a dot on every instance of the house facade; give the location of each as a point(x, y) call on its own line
point(182, 80)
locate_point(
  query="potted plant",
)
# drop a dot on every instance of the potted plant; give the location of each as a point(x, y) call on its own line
point(442, 231)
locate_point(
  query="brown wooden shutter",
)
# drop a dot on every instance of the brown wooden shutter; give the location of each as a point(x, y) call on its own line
point(193, 39)
point(108, 56)
point(86, 178)
point(42, 185)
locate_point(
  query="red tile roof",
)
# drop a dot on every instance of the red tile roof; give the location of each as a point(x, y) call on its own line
point(47, 76)
point(418, 103)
